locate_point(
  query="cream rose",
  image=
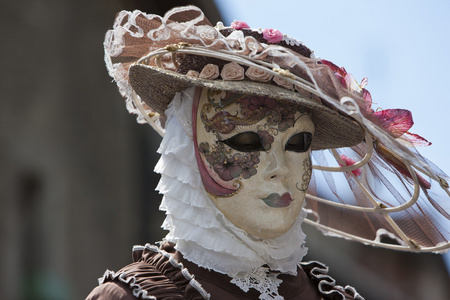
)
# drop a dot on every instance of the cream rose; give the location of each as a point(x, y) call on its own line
point(192, 73)
point(209, 71)
point(257, 74)
point(232, 71)
point(283, 82)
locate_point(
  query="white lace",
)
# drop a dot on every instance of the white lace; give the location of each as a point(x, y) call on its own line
point(262, 280)
point(113, 45)
point(200, 231)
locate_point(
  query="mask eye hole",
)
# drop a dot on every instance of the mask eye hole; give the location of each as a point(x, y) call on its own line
point(248, 141)
point(299, 142)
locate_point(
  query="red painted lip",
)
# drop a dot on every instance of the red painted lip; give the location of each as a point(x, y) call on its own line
point(275, 200)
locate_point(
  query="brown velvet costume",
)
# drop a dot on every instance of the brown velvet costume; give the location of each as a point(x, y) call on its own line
point(165, 274)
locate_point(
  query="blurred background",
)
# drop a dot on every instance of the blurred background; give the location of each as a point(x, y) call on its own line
point(76, 179)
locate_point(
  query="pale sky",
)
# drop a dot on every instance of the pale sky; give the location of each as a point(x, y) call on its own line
point(403, 47)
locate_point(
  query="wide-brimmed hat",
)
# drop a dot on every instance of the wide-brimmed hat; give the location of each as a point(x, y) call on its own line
point(157, 88)
point(153, 57)
point(167, 55)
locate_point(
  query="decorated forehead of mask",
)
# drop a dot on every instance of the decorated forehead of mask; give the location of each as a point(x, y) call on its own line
point(230, 131)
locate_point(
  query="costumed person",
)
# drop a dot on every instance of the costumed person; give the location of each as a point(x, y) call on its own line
point(259, 137)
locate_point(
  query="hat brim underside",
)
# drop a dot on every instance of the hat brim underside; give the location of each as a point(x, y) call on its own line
point(156, 87)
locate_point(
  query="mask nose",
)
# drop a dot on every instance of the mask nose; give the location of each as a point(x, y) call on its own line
point(277, 168)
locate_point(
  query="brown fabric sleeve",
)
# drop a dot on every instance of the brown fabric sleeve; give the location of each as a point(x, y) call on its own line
point(111, 291)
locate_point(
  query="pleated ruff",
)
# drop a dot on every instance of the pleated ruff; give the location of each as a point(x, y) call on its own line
point(200, 231)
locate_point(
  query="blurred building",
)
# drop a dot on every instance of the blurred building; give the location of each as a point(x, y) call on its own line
point(76, 180)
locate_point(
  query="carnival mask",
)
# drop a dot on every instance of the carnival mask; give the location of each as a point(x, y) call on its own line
point(253, 154)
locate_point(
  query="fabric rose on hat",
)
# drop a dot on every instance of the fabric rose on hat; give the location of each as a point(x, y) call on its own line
point(238, 25)
point(210, 71)
point(232, 71)
point(257, 74)
point(192, 73)
point(272, 36)
point(283, 82)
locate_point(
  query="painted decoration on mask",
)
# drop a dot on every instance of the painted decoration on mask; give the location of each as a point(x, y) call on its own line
point(253, 154)
point(249, 111)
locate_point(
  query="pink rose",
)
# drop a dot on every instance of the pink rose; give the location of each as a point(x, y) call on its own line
point(238, 25)
point(192, 73)
point(283, 82)
point(272, 36)
point(258, 74)
point(209, 71)
point(232, 71)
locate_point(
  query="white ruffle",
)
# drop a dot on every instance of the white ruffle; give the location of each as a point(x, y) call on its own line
point(198, 216)
point(206, 237)
point(200, 231)
point(184, 152)
point(179, 172)
point(327, 284)
point(181, 192)
point(180, 108)
point(130, 281)
point(214, 260)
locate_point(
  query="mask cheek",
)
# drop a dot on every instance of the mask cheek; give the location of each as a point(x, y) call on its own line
point(216, 171)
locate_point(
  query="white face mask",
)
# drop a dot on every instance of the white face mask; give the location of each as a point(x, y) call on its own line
point(253, 154)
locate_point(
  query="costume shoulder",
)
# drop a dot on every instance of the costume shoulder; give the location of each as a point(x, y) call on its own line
point(111, 291)
point(153, 275)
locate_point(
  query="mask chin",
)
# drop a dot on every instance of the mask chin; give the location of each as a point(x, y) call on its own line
point(240, 145)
